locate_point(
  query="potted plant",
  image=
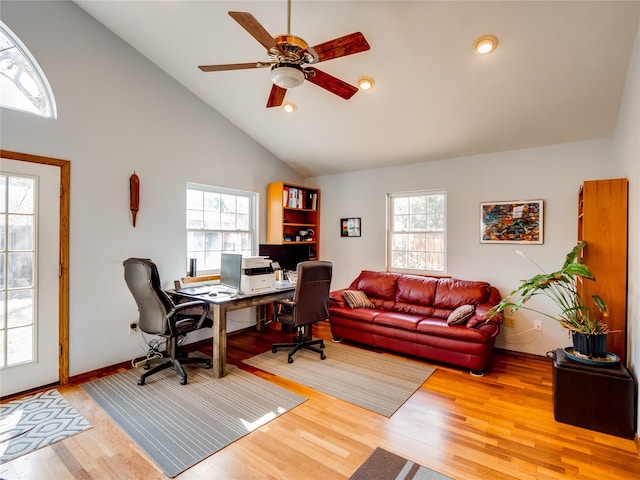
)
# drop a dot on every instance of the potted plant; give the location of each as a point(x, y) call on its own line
point(588, 330)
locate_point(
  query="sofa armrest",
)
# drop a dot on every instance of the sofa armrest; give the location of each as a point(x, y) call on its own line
point(480, 316)
point(336, 299)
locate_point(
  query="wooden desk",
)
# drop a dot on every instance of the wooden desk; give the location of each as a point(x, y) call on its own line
point(220, 305)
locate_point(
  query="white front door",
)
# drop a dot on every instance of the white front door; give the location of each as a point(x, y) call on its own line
point(29, 275)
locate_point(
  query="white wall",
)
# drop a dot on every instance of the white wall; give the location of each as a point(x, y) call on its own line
point(118, 113)
point(553, 174)
point(627, 152)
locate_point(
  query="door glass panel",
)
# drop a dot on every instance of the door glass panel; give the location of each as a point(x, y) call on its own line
point(19, 308)
point(20, 270)
point(19, 345)
point(20, 232)
point(20, 194)
point(2, 343)
point(17, 269)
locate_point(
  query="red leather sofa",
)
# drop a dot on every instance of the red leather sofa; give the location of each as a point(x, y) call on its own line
point(410, 316)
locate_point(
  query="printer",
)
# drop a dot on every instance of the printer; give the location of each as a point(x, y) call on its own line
point(257, 275)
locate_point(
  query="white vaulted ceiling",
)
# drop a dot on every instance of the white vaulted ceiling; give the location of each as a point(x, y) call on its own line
point(557, 75)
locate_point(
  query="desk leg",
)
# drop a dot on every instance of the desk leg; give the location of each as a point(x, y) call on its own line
point(219, 362)
point(261, 315)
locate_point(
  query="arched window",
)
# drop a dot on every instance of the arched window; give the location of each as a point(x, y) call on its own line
point(23, 85)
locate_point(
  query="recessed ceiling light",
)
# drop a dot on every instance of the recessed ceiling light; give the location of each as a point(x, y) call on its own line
point(366, 83)
point(485, 44)
point(289, 107)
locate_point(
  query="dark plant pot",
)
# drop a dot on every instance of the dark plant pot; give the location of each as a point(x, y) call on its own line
point(598, 346)
point(592, 346)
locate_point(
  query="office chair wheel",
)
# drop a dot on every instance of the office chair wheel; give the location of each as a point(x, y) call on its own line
point(290, 359)
point(274, 349)
point(207, 365)
point(323, 356)
point(141, 381)
point(183, 381)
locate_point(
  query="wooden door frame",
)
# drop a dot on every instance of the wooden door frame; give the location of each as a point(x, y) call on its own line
point(63, 289)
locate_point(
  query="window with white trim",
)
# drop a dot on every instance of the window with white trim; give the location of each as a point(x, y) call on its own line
point(219, 220)
point(416, 232)
point(23, 85)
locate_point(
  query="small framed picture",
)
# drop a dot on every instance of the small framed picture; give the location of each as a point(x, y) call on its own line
point(350, 227)
point(512, 222)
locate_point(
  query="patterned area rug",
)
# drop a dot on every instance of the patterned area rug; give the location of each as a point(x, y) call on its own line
point(378, 382)
point(384, 465)
point(180, 425)
point(36, 421)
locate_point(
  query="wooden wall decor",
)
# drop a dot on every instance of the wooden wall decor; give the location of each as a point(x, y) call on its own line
point(134, 196)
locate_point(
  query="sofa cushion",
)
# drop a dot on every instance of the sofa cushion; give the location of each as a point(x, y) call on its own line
point(376, 284)
point(356, 299)
point(416, 290)
point(460, 315)
point(451, 293)
point(434, 327)
point(397, 320)
point(365, 315)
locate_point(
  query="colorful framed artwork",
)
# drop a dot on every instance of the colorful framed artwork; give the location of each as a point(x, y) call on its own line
point(512, 222)
point(350, 227)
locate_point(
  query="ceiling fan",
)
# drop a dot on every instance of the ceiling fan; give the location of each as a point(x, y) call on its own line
point(290, 58)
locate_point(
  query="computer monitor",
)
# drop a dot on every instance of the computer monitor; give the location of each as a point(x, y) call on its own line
point(231, 270)
point(288, 256)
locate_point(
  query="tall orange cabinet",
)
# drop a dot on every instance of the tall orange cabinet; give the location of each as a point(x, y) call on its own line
point(292, 210)
point(602, 224)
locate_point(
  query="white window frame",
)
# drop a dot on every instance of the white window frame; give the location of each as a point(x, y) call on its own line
point(408, 231)
point(252, 230)
point(24, 86)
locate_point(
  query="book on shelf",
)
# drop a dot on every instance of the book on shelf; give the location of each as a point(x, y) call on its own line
point(293, 197)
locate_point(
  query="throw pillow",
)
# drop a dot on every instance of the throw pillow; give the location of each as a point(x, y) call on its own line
point(460, 314)
point(357, 299)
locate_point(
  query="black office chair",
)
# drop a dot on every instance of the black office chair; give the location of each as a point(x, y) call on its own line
point(159, 315)
point(309, 304)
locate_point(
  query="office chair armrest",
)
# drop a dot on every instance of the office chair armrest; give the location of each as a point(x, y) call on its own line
point(286, 303)
point(193, 304)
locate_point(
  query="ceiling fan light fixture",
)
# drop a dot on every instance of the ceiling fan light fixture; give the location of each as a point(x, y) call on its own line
point(289, 107)
point(366, 83)
point(485, 44)
point(286, 76)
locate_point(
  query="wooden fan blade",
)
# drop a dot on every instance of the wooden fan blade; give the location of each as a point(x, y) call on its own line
point(276, 97)
point(331, 83)
point(255, 29)
point(340, 47)
point(234, 66)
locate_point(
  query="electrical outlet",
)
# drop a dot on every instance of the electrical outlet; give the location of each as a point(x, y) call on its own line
point(133, 328)
point(509, 321)
point(537, 325)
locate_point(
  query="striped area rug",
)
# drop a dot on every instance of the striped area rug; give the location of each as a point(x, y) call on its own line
point(384, 465)
point(378, 382)
point(36, 421)
point(180, 425)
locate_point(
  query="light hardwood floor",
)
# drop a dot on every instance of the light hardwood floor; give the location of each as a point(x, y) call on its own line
point(499, 426)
